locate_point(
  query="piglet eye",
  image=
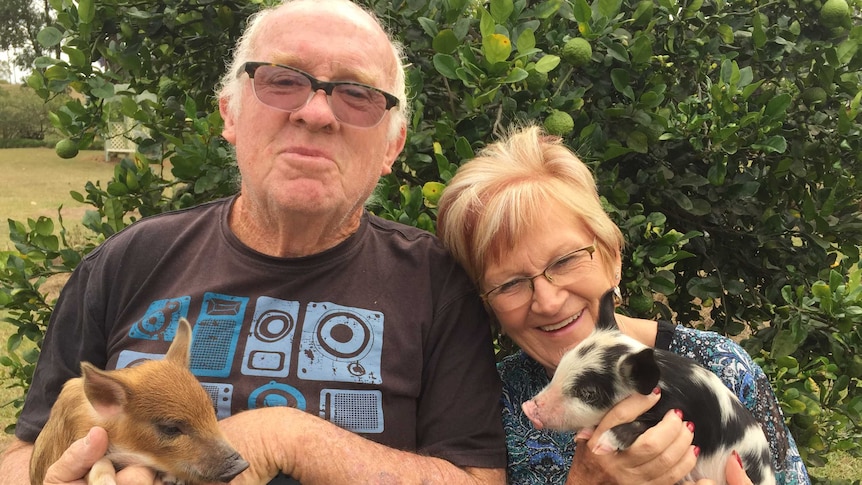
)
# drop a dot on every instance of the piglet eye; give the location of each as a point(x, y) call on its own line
point(588, 394)
point(169, 430)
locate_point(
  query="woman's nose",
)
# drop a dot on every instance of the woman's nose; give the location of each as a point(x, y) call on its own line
point(547, 297)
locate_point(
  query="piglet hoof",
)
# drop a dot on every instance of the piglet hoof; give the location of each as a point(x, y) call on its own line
point(532, 411)
point(169, 479)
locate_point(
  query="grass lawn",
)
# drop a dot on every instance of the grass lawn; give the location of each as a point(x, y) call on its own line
point(35, 182)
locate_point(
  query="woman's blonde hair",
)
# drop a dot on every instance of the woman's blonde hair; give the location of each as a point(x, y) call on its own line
point(495, 198)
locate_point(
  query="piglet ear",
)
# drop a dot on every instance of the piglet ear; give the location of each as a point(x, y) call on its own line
point(641, 371)
point(106, 393)
point(180, 348)
point(607, 307)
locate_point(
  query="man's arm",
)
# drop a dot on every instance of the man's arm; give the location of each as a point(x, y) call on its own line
point(315, 451)
point(15, 463)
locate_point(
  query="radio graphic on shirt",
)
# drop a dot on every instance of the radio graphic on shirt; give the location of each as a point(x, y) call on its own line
point(315, 341)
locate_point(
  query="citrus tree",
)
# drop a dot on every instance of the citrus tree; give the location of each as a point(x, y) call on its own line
point(725, 138)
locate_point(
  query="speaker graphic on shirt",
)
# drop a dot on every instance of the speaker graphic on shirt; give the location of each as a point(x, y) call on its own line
point(353, 410)
point(270, 339)
point(276, 394)
point(215, 334)
point(161, 319)
point(340, 344)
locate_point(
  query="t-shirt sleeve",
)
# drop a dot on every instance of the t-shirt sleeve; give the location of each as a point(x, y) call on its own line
point(459, 410)
point(72, 332)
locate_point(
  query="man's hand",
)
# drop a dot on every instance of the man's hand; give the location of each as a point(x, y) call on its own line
point(79, 458)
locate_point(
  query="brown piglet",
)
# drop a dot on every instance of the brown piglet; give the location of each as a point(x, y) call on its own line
point(156, 415)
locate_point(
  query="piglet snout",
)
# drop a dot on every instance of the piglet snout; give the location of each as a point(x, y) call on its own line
point(234, 465)
point(531, 409)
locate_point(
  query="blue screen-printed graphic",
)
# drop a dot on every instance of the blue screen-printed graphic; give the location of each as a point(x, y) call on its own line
point(353, 410)
point(340, 344)
point(270, 339)
point(216, 333)
point(161, 319)
point(276, 394)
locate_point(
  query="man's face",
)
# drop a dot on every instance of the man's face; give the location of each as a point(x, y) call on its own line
point(307, 162)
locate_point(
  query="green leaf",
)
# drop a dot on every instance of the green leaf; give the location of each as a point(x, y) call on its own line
point(501, 9)
point(547, 63)
point(548, 8)
point(726, 33)
point(526, 41)
point(783, 344)
point(445, 65)
point(758, 33)
point(582, 11)
point(638, 141)
point(49, 37)
point(620, 78)
point(609, 8)
point(774, 144)
point(100, 88)
point(516, 75)
point(429, 26)
point(86, 11)
point(445, 42)
point(777, 106)
point(44, 226)
point(77, 58)
point(846, 50)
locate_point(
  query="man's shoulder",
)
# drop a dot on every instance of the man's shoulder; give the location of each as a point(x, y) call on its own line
point(404, 235)
point(164, 229)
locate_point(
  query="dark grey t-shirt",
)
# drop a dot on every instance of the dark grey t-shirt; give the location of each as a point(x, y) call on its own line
point(383, 334)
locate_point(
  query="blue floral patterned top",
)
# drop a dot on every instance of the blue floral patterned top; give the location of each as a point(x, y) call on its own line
point(542, 456)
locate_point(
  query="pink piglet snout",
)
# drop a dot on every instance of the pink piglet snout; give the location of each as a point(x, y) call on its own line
point(531, 409)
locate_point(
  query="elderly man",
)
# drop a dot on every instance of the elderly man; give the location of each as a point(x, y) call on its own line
point(338, 347)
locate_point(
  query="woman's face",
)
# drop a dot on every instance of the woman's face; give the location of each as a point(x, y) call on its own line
point(556, 318)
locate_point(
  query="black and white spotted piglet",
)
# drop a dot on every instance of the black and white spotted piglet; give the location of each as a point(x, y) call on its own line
point(609, 366)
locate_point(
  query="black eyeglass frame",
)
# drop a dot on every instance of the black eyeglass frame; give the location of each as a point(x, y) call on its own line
point(316, 84)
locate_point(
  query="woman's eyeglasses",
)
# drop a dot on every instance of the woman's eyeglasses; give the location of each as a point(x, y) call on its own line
point(563, 271)
point(289, 89)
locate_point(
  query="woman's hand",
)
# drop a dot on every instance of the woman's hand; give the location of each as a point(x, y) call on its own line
point(661, 455)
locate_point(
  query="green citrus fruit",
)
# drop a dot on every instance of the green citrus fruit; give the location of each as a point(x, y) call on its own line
point(578, 51)
point(640, 303)
point(537, 80)
point(814, 95)
point(559, 123)
point(66, 148)
point(834, 13)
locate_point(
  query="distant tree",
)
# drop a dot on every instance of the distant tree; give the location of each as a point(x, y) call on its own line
point(20, 23)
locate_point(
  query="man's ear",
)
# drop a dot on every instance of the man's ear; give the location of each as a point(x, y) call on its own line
point(394, 148)
point(229, 123)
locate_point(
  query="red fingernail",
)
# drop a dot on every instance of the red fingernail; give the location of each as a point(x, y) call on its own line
point(696, 451)
point(678, 412)
point(690, 426)
point(657, 390)
point(738, 458)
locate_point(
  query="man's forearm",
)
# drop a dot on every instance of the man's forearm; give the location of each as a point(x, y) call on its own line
point(315, 451)
point(15, 463)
